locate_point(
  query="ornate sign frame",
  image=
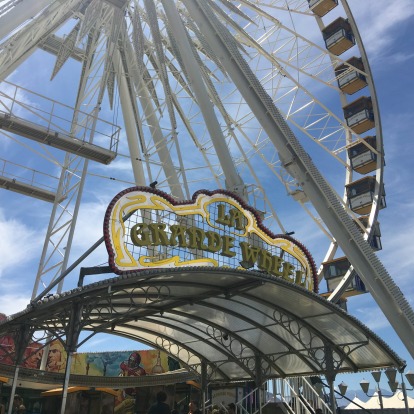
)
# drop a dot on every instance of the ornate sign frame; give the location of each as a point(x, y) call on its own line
point(146, 228)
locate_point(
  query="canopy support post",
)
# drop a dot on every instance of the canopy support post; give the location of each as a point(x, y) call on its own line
point(330, 376)
point(71, 347)
point(259, 381)
point(203, 385)
point(21, 341)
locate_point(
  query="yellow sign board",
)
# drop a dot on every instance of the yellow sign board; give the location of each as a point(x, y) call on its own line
point(146, 229)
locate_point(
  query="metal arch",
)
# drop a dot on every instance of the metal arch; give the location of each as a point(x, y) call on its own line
point(214, 292)
point(190, 351)
point(69, 337)
point(236, 358)
point(112, 308)
point(58, 330)
point(164, 338)
point(181, 330)
point(281, 310)
point(197, 367)
point(288, 346)
point(351, 348)
point(168, 309)
point(183, 346)
point(223, 291)
point(145, 290)
point(62, 306)
point(300, 322)
point(299, 354)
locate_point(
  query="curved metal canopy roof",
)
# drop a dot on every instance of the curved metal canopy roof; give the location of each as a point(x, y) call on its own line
point(243, 325)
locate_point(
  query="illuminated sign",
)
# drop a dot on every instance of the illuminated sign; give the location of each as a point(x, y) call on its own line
point(146, 229)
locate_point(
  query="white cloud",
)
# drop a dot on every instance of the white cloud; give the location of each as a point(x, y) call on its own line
point(19, 244)
point(379, 22)
point(402, 57)
point(89, 223)
point(13, 303)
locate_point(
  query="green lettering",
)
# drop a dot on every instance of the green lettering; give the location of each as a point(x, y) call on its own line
point(214, 242)
point(196, 237)
point(237, 219)
point(140, 235)
point(287, 272)
point(222, 218)
point(179, 232)
point(276, 263)
point(159, 236)
point(249, 253)
point(300, 280)
point(265, 261)
point(228, 243)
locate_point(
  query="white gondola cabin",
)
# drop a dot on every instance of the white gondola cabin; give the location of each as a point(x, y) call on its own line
point(350, 79)
point(321, 7)
point(338, 36)
point(335, 270)
point(361, 195)
point(359, 115)
point(375, 236)
point(363, 160)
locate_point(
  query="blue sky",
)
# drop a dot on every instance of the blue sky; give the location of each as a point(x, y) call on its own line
point(386, 30)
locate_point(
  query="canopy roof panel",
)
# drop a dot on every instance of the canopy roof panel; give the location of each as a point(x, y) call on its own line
point(242, 324)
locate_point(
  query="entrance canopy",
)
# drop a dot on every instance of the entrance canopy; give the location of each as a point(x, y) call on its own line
point(240, 325)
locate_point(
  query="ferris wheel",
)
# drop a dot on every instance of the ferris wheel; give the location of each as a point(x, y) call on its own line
point(272, 100)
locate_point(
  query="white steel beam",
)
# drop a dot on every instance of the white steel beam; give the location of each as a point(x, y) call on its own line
point(156, 131)
point(16, 49)
point(233, 180)
point(20, 13)
point(129, 122)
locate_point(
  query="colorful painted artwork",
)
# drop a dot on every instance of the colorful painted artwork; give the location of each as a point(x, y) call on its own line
point(125, 364)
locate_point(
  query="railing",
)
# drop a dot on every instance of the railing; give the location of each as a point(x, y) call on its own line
point(293, 395)
point(51, 115)
point(28, 176)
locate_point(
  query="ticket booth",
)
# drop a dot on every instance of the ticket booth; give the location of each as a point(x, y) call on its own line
point(350, 80)
point(375, 236)
point(333, 272)
point(361, 195)
point(321, 7)
point(363, 160)
point(359, 115)
point(338, 36)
